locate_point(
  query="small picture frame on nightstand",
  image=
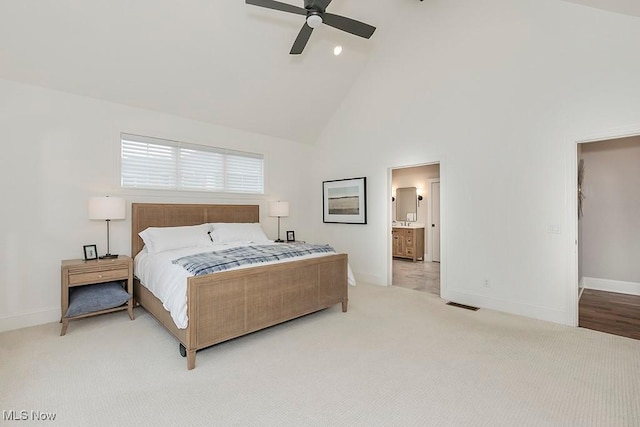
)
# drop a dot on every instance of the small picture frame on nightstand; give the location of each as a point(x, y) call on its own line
point(291, 236)
point(90, 252)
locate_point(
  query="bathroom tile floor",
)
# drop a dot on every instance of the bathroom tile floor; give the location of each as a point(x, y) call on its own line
point(421, 276)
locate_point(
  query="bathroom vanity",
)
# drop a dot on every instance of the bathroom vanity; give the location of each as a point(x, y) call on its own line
point(408, 242)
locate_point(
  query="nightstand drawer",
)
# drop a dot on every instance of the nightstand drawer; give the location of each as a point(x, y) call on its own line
point(97, 277)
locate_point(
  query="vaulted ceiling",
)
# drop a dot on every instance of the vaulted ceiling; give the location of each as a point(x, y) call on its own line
point(217, 61)
point(628, 7)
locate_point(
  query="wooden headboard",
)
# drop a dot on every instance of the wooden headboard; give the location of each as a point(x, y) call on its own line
point(144, 215)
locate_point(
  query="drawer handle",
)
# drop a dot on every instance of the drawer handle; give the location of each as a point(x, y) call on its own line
point(100, 276)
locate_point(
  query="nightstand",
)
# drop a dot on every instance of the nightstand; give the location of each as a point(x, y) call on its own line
point(78, 272)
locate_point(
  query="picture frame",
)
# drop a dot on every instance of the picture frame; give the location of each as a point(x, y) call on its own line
point(291, 236)
point(344, 201)
point(90, 252)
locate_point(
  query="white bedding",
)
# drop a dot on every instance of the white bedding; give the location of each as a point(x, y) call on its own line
point(168, 281)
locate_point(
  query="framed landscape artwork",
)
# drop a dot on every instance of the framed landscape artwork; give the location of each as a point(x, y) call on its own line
point(344, 201)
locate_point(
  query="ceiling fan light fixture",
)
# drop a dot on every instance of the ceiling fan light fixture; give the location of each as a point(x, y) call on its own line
point(314, 21)
point(315, 14)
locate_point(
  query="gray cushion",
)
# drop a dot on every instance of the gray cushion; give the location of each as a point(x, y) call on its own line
point(85, 299)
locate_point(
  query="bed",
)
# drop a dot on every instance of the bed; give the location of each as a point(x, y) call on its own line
point(228, 304)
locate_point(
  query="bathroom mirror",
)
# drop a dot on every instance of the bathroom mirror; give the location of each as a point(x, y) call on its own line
point(406, 203)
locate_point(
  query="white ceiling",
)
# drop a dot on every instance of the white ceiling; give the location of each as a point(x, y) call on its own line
point(627, 7)
point(218, 61)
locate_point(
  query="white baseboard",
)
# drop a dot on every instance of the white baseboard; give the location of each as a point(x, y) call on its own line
point(507, 306)
point(29, 319)
point(369, 278)
point(629, 288)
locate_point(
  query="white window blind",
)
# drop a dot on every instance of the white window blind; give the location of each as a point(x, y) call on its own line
point(148, 162)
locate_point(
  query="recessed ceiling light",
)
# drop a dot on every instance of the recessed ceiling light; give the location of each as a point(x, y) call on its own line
point(337, 50)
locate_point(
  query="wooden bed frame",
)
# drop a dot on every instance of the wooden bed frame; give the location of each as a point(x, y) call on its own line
point(229, 304)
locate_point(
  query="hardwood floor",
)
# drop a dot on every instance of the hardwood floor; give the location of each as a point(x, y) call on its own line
point(610, 312)
point(420, 275)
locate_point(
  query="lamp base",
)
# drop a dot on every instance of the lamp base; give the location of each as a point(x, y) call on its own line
point(279, 241)
point(108, 256)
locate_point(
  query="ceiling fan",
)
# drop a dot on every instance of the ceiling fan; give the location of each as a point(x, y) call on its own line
point(315, 11)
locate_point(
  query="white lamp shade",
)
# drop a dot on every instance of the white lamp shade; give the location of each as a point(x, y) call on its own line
point(279, 208)
point(314, 21)
point(107, 208)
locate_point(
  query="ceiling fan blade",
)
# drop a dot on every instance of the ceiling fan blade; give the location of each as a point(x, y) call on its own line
point(349, 25)
point(272, 4)
point(301, 40)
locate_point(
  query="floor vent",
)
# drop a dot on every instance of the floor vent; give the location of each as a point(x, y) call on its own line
point(466, 307)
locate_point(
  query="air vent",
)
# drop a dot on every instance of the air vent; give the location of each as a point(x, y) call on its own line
point(466, 307)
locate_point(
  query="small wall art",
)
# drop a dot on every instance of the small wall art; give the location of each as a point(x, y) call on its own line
point(344, 201)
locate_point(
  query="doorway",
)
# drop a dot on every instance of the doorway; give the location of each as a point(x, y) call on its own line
point(608, 198)
point(415, 228)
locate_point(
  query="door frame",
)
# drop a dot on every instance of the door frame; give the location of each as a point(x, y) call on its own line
point(573, 287)
point(430, 183)
point(439, 160)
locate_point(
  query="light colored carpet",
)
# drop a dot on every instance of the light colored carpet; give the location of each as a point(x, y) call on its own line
point(397, 358)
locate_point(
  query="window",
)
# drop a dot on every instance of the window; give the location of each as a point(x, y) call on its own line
point(170, 165)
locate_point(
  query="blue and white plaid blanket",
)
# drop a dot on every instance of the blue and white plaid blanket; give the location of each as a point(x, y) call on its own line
point(211, 262)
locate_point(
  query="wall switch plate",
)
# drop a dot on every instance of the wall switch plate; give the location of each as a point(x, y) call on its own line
point(554, 229)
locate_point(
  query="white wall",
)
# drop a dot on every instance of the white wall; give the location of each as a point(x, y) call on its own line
point(610, 235)
point(493, 89)
point(61, 149)
point(496, 90)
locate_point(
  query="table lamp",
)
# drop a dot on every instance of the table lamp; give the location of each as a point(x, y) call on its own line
point(279, 209)
point(107, 208)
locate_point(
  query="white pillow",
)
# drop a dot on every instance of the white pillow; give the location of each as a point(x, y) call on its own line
point(158, 239)
point(238, 232)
